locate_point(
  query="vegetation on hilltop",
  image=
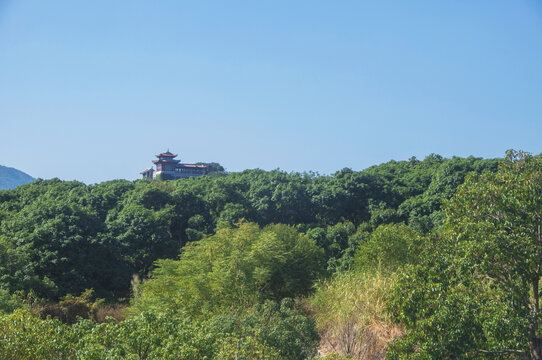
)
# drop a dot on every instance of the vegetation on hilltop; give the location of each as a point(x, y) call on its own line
point(437, 259)
point(62, 237)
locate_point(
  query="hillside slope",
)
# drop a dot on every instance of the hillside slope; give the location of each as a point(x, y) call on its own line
point(11, 178)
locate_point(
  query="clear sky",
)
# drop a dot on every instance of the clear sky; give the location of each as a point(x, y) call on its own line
point(92, 90)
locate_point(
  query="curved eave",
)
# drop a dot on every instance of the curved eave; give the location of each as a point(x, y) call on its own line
point(166, 161)
point(166, 155)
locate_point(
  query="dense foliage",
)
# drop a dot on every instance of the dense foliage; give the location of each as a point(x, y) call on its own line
point(61, 237)
point(220, 266)
point(475, 292)
point(236, 268)
point(149, 336)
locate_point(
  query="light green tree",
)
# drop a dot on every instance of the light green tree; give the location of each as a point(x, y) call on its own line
point(237, 267)
point(389, 247)
point(476, 293)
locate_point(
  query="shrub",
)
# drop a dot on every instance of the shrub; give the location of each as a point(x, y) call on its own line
point(236, 268)
point(389, 247)
point(26, 337)
point(280, 327)
point(9, 302)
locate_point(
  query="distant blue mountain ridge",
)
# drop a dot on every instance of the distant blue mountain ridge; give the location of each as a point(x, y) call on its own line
point(10, 178)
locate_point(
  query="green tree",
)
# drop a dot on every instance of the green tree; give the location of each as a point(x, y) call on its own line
point(144, 236)
point(237, 267)
point(388, 248)
point(267, 332)
point(477, 291)
point(26, 337)
point(213, 167)
point(277, 326)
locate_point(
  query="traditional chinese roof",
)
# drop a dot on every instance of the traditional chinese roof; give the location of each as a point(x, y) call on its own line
point(147, 170)
point(166, 154)
point(162, 161)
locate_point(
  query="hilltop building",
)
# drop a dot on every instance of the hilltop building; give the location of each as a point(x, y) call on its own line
point(169, 168)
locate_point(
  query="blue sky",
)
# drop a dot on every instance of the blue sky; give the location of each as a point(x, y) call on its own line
point(92, 90)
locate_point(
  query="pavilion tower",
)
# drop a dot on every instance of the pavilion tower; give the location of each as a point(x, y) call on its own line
point(166, 165)
point(168, 168)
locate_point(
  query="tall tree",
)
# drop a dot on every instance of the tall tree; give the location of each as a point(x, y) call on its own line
point(477, 293)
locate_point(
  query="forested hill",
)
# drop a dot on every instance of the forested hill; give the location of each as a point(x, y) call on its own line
point(11, 178)
point(59, 237)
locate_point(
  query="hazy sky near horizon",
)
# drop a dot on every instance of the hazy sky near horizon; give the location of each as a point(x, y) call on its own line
point(93, 90)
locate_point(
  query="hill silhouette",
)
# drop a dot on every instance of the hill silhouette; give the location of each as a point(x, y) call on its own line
point(11, 178)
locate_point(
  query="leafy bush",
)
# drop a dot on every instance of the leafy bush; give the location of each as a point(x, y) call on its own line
point(235, 268)
point(9, 302)
point(26, 337)
point(388, 248)
point(146, 336)
point(280, 327)
point(271, 332)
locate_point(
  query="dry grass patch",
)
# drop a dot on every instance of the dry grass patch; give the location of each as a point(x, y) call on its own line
point(72, 308)
point(350, 314)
